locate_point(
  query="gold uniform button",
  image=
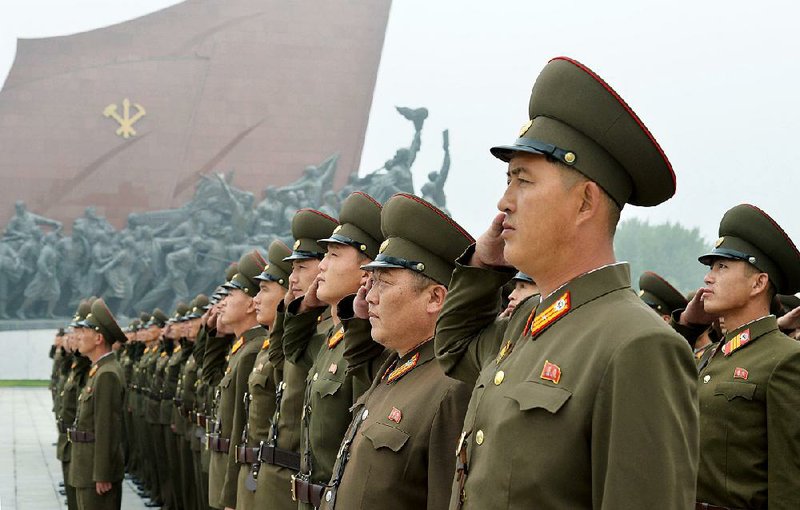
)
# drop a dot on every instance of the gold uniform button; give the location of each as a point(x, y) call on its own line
point(479, 437)
point(498, 377)
point(706, 379)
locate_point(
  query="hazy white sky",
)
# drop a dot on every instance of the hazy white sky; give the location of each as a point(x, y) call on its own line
point(715, 81)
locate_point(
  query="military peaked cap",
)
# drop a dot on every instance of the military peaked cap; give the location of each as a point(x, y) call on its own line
point(359, 224)
point(309, 226)
point(278, 269)
point(102, 320)
point(250, 265)
point(748, 233)
point(578, 119)
point(419, 237)
point(659, 294)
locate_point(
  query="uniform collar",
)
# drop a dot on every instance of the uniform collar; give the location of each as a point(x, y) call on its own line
point(105, 358)
point(748, 333)
point(255, 332)
point(576, 293)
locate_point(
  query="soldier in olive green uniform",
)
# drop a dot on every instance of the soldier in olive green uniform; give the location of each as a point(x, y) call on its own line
point(97, 464)
point(749, 381)
point(659, 295)
point(238, 313)
point(151, 385)
point(397, 451)
point(68, 403)
point(184, 399)
point(261, 383)
point(333, 384)
point(292, 359)
point(585, 398)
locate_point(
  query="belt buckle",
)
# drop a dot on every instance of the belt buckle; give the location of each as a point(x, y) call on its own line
point(294, 490)
point(69, 434)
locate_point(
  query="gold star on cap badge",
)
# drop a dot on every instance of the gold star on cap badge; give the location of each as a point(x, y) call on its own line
point(384, 245)
point(719, 242)
point(297, 244)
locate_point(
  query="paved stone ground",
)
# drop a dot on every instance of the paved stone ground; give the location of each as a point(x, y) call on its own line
point(29, 470)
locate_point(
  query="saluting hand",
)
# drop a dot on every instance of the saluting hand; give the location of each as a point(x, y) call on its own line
point(489, 246)
point(310, 300)
point(360, 305)
point(695, 313)
point(790, 320)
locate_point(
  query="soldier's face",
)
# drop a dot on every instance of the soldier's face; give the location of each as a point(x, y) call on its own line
point(340, 273)
point(397, 309)
point(521, 291)
point(88, 339)
point(729, 285)
point(539, 211)
point(238, 305)
point(303, 273)
point(266, 302)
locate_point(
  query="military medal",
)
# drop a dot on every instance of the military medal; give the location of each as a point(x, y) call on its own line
point(265, 345)
point(550, 315)
point(334, 340)
point(740, 373)
point(396, 415)
point(736, 342)
point(392, 375)
point(551, 372)
point(239, 343)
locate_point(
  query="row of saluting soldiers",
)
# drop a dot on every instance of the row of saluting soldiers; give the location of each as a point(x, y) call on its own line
point(379, 364)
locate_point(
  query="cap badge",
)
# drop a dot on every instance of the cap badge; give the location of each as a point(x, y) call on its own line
point(383, 247)
point(719, 242)
point(736, 342)
point(524, 129)
point(297, 244)
point(396, 415)
point(740, 373)
point(550, 315)
point(337, 229)
point(551, 372)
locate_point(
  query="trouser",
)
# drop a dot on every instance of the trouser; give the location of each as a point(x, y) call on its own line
point(153, 485)
point(72, 499)
point(188, 490)
point(173, 464)
point(161, 469)
point(89, 499)
point(200, 481)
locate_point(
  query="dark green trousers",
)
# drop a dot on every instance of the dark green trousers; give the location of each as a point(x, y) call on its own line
point(89, 499)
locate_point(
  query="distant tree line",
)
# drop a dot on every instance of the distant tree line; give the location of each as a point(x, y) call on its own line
point(669, 249)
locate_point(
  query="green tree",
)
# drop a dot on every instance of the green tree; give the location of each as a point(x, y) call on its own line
point(669, 249)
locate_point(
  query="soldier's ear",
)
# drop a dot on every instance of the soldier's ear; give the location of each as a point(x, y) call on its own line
point(436, 296)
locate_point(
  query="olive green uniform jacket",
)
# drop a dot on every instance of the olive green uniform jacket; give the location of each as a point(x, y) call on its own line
point(79, 368)
point(331, 387)
point(295, 355)
point(223, 471)
point(398, 451)
point(100, 412)
point(750, 420)
point(597, 410)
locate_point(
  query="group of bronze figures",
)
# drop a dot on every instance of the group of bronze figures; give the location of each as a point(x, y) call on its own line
point(389, 360)
point(162, 257)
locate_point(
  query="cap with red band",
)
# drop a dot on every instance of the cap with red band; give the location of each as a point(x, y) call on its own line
point(578, 119)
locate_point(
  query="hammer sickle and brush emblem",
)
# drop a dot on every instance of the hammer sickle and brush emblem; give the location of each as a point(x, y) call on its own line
point(125, 121)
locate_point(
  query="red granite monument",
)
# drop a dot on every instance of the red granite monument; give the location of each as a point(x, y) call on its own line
point(128, 117)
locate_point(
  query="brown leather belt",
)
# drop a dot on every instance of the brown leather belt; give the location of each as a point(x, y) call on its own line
point(708, 506)
point(219, 444)
point(245, 455)
point(307, 492)
point(279, 457)
point(78, 436)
